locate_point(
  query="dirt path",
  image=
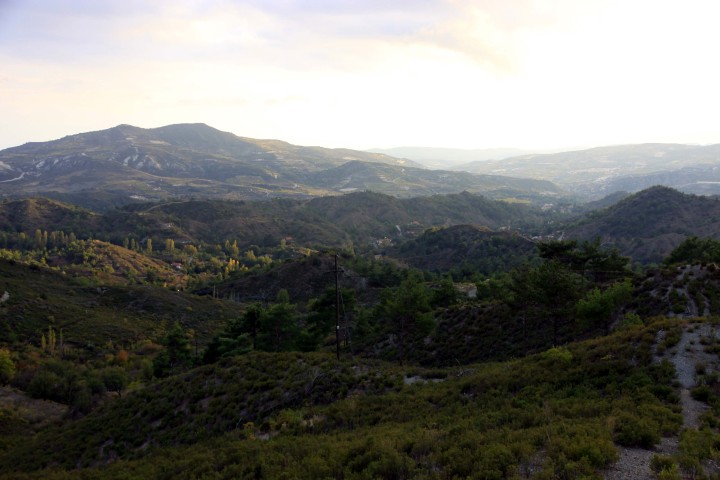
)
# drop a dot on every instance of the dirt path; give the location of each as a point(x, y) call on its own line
point(634, 463)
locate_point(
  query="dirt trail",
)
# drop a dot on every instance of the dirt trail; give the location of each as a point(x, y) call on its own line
point(634, 463)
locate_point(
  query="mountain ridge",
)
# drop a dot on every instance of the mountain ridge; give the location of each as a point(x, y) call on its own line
point(130, 164)
point(600, 171)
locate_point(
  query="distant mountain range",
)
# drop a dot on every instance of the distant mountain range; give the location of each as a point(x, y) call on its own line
point(125, 164)
point(446, 158)
point(597, 172)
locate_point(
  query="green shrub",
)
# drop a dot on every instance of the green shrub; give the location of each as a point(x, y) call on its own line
point(701, 393)
point(559, 354)
point(660, 463)
point(634, 431)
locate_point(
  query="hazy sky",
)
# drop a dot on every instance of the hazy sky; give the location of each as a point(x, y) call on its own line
point(366, 73)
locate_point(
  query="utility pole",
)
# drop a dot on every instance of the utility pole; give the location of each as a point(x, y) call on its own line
point(337, 310)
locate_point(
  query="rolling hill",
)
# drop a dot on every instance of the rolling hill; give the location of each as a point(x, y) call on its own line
point(335, 220)
point(466, 248)
point(648, 225)
point(93, 316)
point(127, 164)
point(409, 181)
point(597, 172)
point(444, 158)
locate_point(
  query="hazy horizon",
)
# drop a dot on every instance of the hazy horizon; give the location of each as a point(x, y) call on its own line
point(532, 75)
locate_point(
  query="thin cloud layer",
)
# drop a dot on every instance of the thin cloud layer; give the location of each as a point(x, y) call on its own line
point(485, 73)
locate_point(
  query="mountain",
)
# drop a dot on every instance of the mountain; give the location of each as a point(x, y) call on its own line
point(406, 181)
point(127, 164)
point(648, 225)
point(600, 171)
point(442, 158)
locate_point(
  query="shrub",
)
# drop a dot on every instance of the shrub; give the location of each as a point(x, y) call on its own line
point(701, 393)
point(559, 354)
point(633, 431)
point(661, 463)
point(7, 367)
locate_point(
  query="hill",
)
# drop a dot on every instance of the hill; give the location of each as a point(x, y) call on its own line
point(406, 181)
point(269, 415)
point(27, 215)
point(126, 164)
point(466, 249)
point(597, 172)
point(648, 225)
point(91, 316)
point(442, 158)
point(358, 218)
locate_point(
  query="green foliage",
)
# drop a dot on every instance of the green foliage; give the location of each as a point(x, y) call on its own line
point(7, 366)
point(635, 431)
point(358, 420)
point(176, 356)
point(446, 294)
point(665, 468)
point(407, 309)
point(559, 354)
point(630, 320)
point(602, 306)
point(238, 337)
point(550, 290)
point(466, 251)
point(694, 250)
point(115, 379)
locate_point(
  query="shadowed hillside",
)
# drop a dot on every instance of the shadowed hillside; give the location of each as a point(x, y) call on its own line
point(647, 226)
point(465, 248)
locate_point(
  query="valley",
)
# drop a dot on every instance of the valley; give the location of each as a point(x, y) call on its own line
point(233, 308)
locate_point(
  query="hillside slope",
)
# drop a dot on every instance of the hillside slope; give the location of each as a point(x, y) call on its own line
point(334, 221)
point(306, 416)
point(648, 225)
point(91, 315)
point(597, 172)
point(466, 248)
point(125, 164)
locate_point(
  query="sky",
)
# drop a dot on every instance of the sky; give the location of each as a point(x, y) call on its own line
point(531, 74)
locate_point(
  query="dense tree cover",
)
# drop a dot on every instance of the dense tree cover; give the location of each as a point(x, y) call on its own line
point(695, 250)
point(255, 384)
point(408, 312)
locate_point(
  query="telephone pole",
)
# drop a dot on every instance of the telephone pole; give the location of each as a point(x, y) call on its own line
point(337, 310)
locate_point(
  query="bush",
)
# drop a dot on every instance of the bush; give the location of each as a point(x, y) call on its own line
point(559, 354)
point(7, 367)
point(47, 385)
point(701, 393)
point(633, 431)
point(661, 463)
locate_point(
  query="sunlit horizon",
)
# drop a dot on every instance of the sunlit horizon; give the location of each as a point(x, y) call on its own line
point(532, 75)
